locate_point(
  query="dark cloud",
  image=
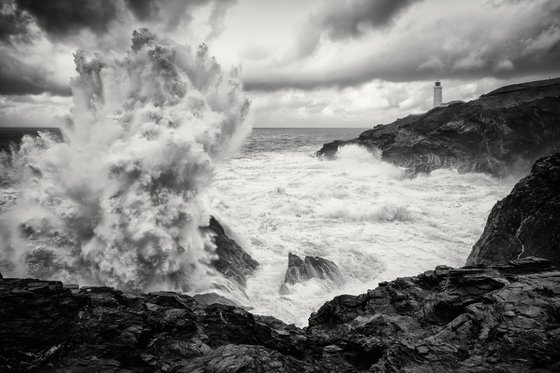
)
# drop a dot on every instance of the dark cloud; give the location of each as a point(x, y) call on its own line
point(174, 12)
point(457, 48)
point(18, 78)
point(13, 23)
point(342, 19)
point(61, 18)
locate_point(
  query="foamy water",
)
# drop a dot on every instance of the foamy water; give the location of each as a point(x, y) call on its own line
point(357, 211)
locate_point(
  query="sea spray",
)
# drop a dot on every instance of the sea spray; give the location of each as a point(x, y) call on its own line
point(121, 202)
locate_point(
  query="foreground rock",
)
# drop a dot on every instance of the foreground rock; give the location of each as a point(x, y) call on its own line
point(310, 267)
point(233, 262)
point(526, 222)
point(487, 319)
point(503, 131)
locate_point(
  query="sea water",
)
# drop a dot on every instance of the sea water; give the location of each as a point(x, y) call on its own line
point(363, 214)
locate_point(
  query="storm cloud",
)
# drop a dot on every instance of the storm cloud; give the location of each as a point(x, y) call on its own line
point(469, 43)
point(29, 28)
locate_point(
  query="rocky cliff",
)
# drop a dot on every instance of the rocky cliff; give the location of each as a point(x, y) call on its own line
point(486, 319)
point(527, 221)
point(503, 131)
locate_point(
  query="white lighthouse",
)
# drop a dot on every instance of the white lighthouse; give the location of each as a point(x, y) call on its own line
point(437, 94)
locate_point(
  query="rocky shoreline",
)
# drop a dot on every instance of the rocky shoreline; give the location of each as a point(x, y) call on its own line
point(493, 318)
point(500, 133)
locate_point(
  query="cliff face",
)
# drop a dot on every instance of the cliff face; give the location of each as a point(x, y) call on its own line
point(488, 319)
point(501, 132)
point(526, 222)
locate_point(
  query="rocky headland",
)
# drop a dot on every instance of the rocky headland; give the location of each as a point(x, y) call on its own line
point(486, 318)
point(501, 132)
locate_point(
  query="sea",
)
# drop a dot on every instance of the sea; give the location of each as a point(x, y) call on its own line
point(275, 197)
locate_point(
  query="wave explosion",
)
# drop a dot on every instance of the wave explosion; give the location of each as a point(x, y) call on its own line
point(121, 202)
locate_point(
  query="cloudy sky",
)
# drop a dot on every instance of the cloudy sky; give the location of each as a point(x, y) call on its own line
point(305, 63)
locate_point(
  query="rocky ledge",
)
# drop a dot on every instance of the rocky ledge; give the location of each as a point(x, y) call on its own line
point(474, 319)
point(526, 222)
point(502, 132)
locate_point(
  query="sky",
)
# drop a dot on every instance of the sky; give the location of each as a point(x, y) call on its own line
point(304, 63)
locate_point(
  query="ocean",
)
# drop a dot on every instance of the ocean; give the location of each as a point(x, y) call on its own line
point(375, 224)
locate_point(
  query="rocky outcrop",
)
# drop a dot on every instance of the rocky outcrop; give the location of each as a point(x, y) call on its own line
point(526, 222)
point(501, 132)
point(233, 262)
point(473, 319)
point(310, 267)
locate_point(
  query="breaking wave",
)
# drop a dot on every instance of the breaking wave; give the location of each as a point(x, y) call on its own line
point(120, 203)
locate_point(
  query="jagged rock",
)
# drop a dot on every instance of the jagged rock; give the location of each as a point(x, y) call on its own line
point(233, 262)
point(526, 222)
point(212, 298)
point(310, 267)
point(472, 319)
point(501, 132)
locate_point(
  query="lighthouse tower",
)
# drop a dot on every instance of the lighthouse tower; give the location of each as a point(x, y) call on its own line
point(437, 94)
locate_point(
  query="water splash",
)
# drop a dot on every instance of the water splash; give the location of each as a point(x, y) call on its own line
point(120, 203)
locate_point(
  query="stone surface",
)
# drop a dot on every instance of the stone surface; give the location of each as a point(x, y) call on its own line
point(474, 319)
point(310, 267)
point(502, 132)
point(233, 262)
point(527, 221)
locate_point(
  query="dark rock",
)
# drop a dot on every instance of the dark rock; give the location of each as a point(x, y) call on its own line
point(526, 222)
point(311, 267)
point(233, 262)
point(502, 132)
point(213, 298)
point(474, 319)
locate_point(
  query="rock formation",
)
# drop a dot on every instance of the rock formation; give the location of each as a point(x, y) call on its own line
point(485, 319)
point(527, 221)
point(503, 131)
point(233, 262)
point(310, 267)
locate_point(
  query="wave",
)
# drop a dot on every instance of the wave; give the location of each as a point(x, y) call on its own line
point(120, 203)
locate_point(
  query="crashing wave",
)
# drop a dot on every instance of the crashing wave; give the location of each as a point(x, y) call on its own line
point(121, 202)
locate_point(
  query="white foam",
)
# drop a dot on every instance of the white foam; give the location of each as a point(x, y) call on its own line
point(356, 211)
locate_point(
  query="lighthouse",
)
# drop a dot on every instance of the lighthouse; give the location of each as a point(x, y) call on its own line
point(437, 94)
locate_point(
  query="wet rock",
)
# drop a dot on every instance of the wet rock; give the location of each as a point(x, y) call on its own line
point(527, 221)
point(487, 319)
point(212, 298)
point(233, 262)
point(491, 319)
point(502, 132)
point(310, 267)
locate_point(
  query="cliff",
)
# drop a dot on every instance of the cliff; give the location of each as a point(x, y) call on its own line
point(527, 221)
point(502, 132)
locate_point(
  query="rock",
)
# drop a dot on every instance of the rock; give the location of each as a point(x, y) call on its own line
point(527, 221)
point(474, 319)
point(502, 132)
point(311, 267)
point(213, 298)
point(233, 262)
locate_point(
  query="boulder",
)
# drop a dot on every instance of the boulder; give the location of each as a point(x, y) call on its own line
point(502, 132)
point(233, 262)
point(310, 267)
point(527, 221)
